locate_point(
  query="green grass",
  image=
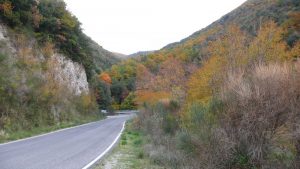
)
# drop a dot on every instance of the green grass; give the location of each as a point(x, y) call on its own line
point(11, 136)
point(129, 153)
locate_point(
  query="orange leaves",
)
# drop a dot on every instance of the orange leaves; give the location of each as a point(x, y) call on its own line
point(151, 97)
point(234, 51)
point(6, 8)
point(153, 87)
point(105, 77)
point(145, 78)
point(168, 83)
point(170, 75)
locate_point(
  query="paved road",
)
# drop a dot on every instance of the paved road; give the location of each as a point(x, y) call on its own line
point(69, 149)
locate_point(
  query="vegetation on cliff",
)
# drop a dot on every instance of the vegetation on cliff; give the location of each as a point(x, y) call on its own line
point(31, 95)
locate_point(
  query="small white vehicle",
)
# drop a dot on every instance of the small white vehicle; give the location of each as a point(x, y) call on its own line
point(104, 111)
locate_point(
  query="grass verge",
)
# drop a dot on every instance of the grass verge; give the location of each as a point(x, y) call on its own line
point(129, 153)
point(12, 136)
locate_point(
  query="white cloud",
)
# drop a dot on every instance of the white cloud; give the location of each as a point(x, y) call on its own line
point(128, 26)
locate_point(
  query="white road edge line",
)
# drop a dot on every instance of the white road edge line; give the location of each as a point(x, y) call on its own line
point(108, 148)
point(56, 131)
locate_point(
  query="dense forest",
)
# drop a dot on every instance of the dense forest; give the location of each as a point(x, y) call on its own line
point(225, 97)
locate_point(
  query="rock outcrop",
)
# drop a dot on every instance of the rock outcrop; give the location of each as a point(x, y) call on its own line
point(65, 71)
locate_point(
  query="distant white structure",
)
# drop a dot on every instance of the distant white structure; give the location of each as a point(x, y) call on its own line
point(104, 111)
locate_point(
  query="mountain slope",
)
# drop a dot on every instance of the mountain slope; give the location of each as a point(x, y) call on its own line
point(50, 22)
point(227, 96)
point(249, 17)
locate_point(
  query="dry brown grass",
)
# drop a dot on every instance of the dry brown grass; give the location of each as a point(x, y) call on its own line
point(260, 112)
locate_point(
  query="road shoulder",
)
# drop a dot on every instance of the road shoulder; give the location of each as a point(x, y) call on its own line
point(129, 153)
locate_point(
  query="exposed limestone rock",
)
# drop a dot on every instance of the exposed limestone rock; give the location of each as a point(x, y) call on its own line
point(71, 74)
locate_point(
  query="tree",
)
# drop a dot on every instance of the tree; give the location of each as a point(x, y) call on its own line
point(231, 46)
point(36, 17)
point(204, 81)
point(118, 91)
point(146, 87)
point(144, 78)
point(7, 8)
point(129, 102)
point(269, 46)
point(171, 74)
point(104, 95)
point(105, 77)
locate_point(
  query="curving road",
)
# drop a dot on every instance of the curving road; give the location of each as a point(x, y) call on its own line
point(72, 148)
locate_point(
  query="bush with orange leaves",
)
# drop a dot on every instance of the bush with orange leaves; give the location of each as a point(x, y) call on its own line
point(105, 77)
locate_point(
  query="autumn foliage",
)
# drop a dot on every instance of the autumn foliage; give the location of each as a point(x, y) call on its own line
point(105, 77)
point(237, 108)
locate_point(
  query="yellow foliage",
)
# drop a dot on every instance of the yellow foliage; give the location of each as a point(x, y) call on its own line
point(68, 20)
point(269, 45)
point(202, 83)
point(231, 46)
point(295, 52)
point(183, 52)
point(86, 100)
point(114, 72)
point(7, 8)
point(53, 87)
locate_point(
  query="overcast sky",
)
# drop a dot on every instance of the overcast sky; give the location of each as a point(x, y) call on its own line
point(129, 26)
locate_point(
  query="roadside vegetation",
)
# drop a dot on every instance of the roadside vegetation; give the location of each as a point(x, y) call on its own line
point(238, 110)
point(32, 100)
point(129, 153)
point(20, 134)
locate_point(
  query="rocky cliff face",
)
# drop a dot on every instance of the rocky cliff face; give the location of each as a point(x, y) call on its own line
point(70, 74)
point(65, 71)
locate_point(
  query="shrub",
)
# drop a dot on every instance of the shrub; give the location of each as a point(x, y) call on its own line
point(138, 142)
point(129, 102)
point(184, 142)
point(140, 154)
point(257, 111)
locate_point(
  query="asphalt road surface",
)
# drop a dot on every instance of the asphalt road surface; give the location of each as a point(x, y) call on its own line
point(72, 148)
